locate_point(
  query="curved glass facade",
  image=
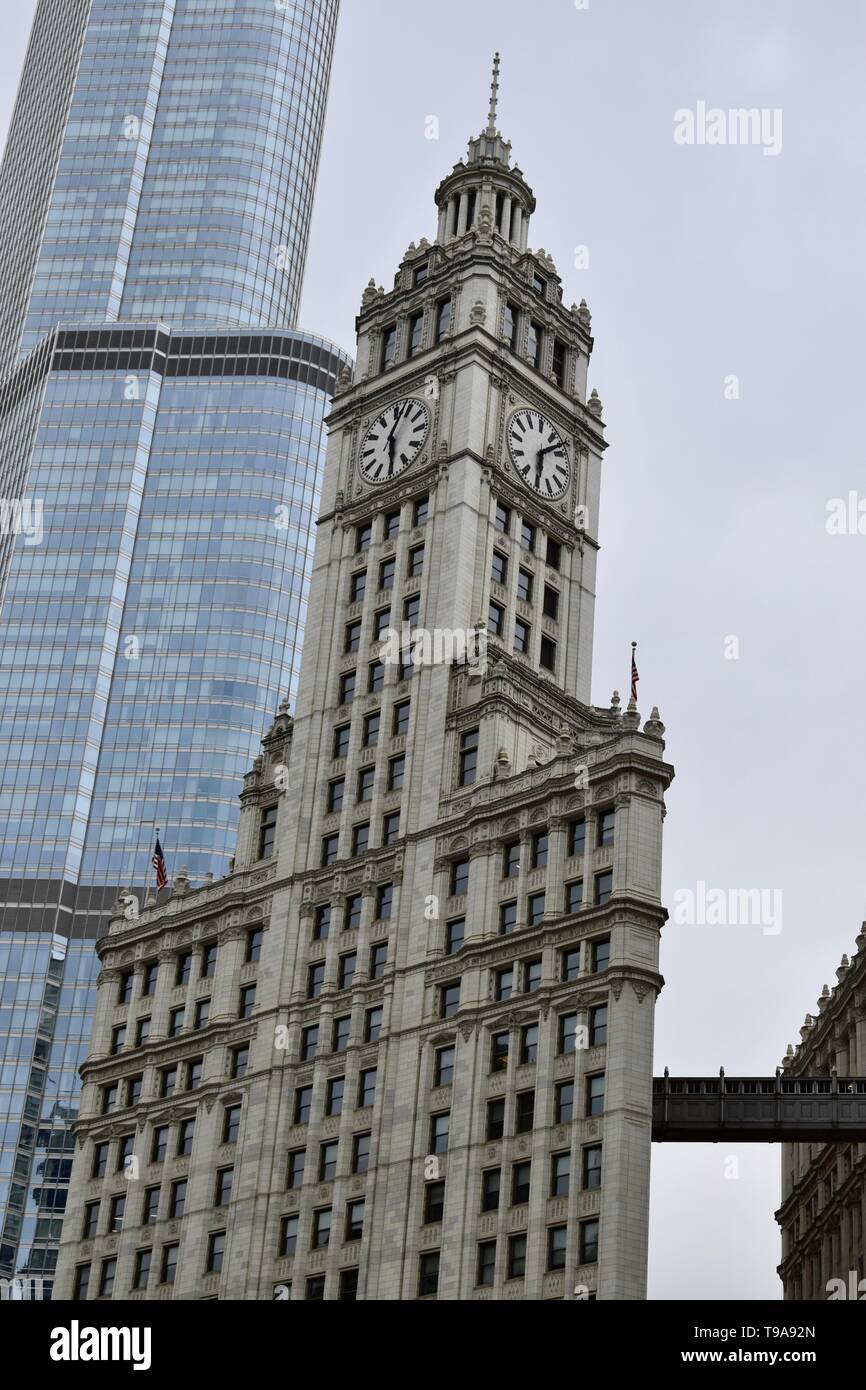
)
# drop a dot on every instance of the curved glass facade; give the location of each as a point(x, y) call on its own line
point(161, 448)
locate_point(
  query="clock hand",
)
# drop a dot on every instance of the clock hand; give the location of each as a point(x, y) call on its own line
point(549, 450)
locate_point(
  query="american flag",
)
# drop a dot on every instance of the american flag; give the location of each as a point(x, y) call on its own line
point(634, 672)
point(159, 864)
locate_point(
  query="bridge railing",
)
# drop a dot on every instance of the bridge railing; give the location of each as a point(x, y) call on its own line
point(762, 1108)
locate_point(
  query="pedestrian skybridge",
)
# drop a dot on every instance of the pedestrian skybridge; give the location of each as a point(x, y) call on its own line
point(759, 1110)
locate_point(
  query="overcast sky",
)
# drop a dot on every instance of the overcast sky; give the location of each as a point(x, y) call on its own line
point(706, 263)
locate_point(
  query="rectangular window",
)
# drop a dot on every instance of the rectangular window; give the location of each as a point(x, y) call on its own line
point(342, 1027)
point(511, 860)
point(533, 346)
point(216, 1244)
point(570, 964)
point(559, 362)
point(149, 978)
point(142, 1269)
point(303, 1104)
point(439, 1131)
point(577, 837)
point(347, 687)
point(459, 878)
point(411, 608)
point(495, 1119)
point(390, 526)
point(183, 968)
point(416, 562)
point(360, 1153)
point(289, 1235)
point(574, 895)
point(495, 618)
point(499, 1051)
point(539, 284)
point(434, 1203)
point(375, 677)
point(169, 1264)
point(371, 728)
point(223, 1187)
point(420, 274)
point(341, 741)
point(330, 848)
point(127, 980)
point(309, 1042)
point(387, 571)
point(556, 1244)
point(468, 758)
point(355, 1219)
point(443, 319)
point(336, 793)
point(486, 1273)
point(202, 1013)
point(322, 922)
point(525, 1113)
point(328, 1161)
point(550, 606)
point(389, 345)
point(592, 1166)
point(168, 1081)
point(428, 1274)
point(524, 585)
point(315, 1288)
point(535, 909)
point(315, 979)
point(384, 901)
point(564, 1103)
point(295, 1172)
point(91, 1221)
point(603, 887)
point(507, 918)
point(567, 1033)
point(396, 772)
point(254, 945)
point(606, 823)
point(529, 1043)
point(595, 1094)
point(352, 640)
point(363, 537)
point(455, 935)
point(185, 1136)
point(421, 511)
point(516, 1257)
point(118, 1038)
point(354, 908)
point(491, 1180)
point(367, 1087)
point(588, 1242)
point(231, 1124)
point(449, 999)
point(381, 623)
point(511, 323)
point(504, 983)
point(335, 1092)
point(540, 845)
point(378, 959)
point(348, 966)
point(554, 554)
point(499, 568)
point(82, 1282)
point(321, 1229)
point(372, 1024)
point(208, 960)
point(443, 1071)
point(416, 334)
point(502, 519)
point(522, 635)
point(532, 976)
point(107, 1277)
point(366, 779)
point(177, 1199)
point(247, 1001)
point(598, 1025)
point(150, 1211)
point(560, 1174)
point(239, 1059)
point(600, 955)
point(357, 586)
point(547, 654)
point(160, 1144)
point(521, 1175)
point(360, 837)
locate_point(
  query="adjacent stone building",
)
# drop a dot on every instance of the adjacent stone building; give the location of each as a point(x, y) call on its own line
point(823, 1211)
point(404, 1050)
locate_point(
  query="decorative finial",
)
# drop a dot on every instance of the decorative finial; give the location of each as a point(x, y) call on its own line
point(494, 96)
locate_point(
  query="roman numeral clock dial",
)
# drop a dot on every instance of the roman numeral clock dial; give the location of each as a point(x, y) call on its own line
point(538, 453)
point(394, 440)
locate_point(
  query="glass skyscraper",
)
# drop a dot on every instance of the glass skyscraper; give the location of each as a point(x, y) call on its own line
point(161, 444)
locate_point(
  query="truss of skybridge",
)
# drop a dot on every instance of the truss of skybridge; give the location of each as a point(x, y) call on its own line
point(759, 1110)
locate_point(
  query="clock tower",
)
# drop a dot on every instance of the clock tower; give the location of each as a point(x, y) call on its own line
point(455, 856)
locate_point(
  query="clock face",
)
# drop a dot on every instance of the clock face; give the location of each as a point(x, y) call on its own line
point(394, 440)
point(538, 453)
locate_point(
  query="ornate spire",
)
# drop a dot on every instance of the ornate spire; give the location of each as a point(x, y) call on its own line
point(494, 97)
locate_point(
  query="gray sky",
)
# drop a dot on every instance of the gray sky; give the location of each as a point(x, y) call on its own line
point(705, 262)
